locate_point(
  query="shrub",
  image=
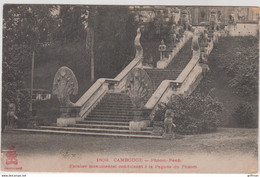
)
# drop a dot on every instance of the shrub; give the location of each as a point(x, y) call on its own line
point(243, 114)
point(159, 114)
point(193, 114)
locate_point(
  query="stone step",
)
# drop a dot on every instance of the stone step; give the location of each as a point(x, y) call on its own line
point(79, 129)
point(109, 116)
point(147, 129)
point(103, 122)
point(109, 119)
point(120, 96)
point(115, 103)
point(182, 58)
point(121, 127)
point(87, 133)
point(115, 111)
point(120, 107)
point(111, 113)
point(117, 94)
point(115, 108)
point(116, 99)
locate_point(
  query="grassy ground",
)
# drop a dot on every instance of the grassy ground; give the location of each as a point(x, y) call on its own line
point(228, 150)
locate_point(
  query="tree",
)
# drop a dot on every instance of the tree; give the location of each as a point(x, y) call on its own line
point(71, 22)
point(24, 27)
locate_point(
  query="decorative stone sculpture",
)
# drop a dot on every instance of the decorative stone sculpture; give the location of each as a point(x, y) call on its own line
point(203, 41)
point(176, 15)
point(139, 87)
point(232, 20)
point(195, 41)
point(65, 84)
point(185, 19)
point(214, 20)
point(168, 125)
point(173, 37)
point(241, 14)
point(11, 117)
point(138, 46)
point(204, 64)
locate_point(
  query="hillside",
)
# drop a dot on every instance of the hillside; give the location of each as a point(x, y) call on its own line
point(217, 82)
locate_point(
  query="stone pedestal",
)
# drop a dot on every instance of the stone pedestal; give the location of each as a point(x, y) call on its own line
point(137, 125)
point(161, 64)
point(69, 116)
point(140, 120)
point(64, 122)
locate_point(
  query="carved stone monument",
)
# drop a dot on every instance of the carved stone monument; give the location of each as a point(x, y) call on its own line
point(204, 42)
point(185, 19)
point(195, 41)
point(214, 20)
point(138, 46)
point(64, 85)
point(11, 117)
point(169, 125)
point(139, 88)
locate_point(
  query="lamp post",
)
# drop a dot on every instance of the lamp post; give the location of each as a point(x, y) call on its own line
point(31, 89)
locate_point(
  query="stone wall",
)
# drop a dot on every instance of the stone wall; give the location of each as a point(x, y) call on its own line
point(243, 29)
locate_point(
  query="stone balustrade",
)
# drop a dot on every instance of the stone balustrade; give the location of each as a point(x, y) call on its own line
point(242, 29)
point(185, 83)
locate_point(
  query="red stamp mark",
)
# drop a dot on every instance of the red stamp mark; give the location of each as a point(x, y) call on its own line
point(11, 160)
point(11, 156)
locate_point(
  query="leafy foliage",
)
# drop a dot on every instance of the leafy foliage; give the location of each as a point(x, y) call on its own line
point(24, 27)
point(193, 114)
point(27, 28)
point(240, 63)
point(244, 115)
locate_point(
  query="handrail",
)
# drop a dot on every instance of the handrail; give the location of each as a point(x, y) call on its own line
point(189, 67)
point(93, 89)
point(127, 69)
point(161, 89)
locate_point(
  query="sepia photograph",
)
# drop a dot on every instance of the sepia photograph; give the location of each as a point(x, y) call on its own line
point(129, 88)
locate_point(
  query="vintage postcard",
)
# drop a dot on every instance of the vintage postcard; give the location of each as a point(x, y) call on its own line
point(130, 88)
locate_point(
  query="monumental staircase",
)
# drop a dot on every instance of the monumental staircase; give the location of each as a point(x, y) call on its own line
point(107, 110)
